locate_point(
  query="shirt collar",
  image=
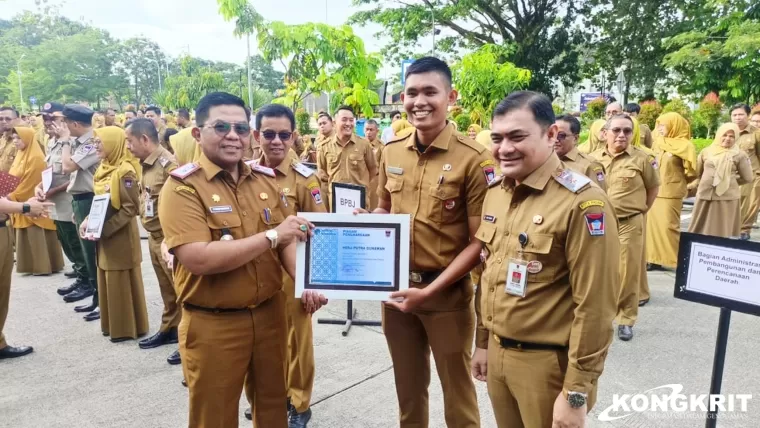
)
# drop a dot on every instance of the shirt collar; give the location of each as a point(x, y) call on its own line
point(441, 141)
point(282, 168)
point(212, 170)
point(87, 136)
point(538, 178)
point(572, 154)
point(748, 130)
point(151, 159)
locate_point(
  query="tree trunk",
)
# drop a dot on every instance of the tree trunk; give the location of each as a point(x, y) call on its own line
point(627, 91)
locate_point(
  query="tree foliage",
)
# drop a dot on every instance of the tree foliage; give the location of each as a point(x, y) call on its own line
point(708, 113)
point(650, 111)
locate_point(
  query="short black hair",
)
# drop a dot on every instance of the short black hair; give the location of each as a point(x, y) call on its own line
point(575, 124)
point(395, 112)
point(9, 108)
point(154, 109)
point(538, 104)
point(141, 126)
point(429, 64)
point(617, 116)
point(372, 122)
point(742, 106)
point(169, 132)
point(275, 110)
point(215, 99)
point(632, 108)
point(345, 107)
point(325, 114)
point(183, 113)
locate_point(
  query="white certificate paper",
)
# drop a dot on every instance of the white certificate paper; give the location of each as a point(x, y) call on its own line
point(47, 179)
point(97, 216)
point(354, 257)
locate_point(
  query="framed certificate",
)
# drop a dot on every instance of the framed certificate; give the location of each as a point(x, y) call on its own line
point(348, 197)
point(97, 216)
point(354, 257)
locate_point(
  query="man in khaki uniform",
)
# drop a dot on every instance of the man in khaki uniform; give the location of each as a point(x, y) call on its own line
point(157, 164)
point(371, 129)
point(183, 119)
point(547, 309)
point(568, 132)
point(439, 177)
point(632, 185)
point(645, 134)
point(33, 208)
point(8, 119)
point(226, 226)
point(154, 114)
point(299, 191)
point(346, 157)
point(749, 143)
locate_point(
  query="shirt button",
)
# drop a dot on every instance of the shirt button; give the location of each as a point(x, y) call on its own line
point(513, 205)
point(245, 214)
point(489, 318)
point(506, 233)
point(420, 163)
point(491, 290)
point(225, 223)
point(498, 260)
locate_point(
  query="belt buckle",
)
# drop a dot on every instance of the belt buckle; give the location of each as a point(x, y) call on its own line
point(415, 277)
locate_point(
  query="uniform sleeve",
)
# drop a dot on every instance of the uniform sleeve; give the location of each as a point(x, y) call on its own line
point(85, 156)
point(745, 170)
point(481, 332)
point(650, 173)
point(595, 284)
point(129, 195)
point(648, 138)
point(595, 172)
point(322, 164)
point(369, 157)
point(757, 145)
point(183, 216)
point(310, 198)
point(476, 184)
point(382, 178)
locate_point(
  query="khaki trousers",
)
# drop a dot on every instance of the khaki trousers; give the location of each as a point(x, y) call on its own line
point(171, 316)
point(300, 373)
point(632, 269)
point(751, 205)
point(6, 270)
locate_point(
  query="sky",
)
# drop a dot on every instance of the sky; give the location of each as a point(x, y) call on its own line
point(195, 26)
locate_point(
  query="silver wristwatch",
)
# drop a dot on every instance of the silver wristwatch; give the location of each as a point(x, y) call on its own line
point(576, 400)
point(271, 235)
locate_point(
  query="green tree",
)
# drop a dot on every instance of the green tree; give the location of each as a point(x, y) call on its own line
point(265, 76)
point(650, 111)
point(677, 105)
point(547, 36)
point(482, 81)
point(143, 63)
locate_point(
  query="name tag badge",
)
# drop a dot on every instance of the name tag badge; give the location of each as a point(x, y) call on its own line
point(149, 207)
point(218, 209)
point(517, 277)
point(395, 170)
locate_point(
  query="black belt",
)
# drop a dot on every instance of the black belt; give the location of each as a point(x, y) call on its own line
point(628, 217)
point(192, 307)
point(509, 343)
point(83, 196)
point(424, 277)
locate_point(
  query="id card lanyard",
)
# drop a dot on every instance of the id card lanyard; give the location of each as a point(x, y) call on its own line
point(517, 270)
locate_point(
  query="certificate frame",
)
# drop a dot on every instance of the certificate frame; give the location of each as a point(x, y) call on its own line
point(97, 215)
point(398, 222)
point(338, 187)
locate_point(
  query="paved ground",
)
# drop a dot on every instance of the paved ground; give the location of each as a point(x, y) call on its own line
point(77, 378)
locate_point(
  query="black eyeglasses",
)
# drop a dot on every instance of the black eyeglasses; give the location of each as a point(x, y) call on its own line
point(625, 131)
point(6, 119)
point(270, 135)
point(223, 128)
point(561, 136)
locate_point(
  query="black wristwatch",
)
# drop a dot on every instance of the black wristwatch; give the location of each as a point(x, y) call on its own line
point(576, 400)
point(26, 208)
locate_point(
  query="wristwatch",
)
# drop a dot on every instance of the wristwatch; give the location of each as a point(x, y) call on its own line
point(26, 208)
point(576, 399)
point(272, 237)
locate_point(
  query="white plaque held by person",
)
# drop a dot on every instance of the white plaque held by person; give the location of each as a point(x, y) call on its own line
point(47, 179)
point(97, 216)
point(348, 197)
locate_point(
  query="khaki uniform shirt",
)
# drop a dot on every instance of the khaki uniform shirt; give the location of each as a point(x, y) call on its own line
point(629, 175)
point(572, 282)
point(62, 200)
point(346, 164)
point(645, 136)
point(673, 177)
point(203, 205)
point(749, 142)
point(377, 149)
point(155, 172)
point(440, 188)
point(7, 153)
point(161, 132)
point(119, 245)
point(586, 165)
point(741, 173)
point(298, 186)
point(83, 154)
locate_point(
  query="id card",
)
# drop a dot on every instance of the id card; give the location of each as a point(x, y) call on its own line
point(148, 206)
point(517, 277)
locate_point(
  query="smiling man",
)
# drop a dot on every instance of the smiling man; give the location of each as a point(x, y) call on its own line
point(439, 177)
point(8, 119)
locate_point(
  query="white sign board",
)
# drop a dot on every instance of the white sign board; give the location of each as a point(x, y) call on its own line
point(728, 273)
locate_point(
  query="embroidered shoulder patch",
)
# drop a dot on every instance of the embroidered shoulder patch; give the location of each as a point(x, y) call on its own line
point(595, 224)
point(496, 181)
point(184, 189)
point(490, 173)
point(185, 170)
point(592, 203)
point(487, 162)
point(653, 161)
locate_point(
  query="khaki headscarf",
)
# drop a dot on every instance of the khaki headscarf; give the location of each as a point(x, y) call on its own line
point(474, 127)
point(186, 149)
point(677, 140)
point(593, 143)
point(402, 128)
point(484, 138)
point(723, 157)
point(28, 166)
point(118, 162)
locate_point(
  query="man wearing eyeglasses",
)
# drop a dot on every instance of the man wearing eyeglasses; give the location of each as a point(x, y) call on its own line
point(568, 132)
point(8, 119)
point(299, 192)
point(231, 236)
point(346, 157)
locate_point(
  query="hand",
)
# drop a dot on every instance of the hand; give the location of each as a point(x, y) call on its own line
point(360, 211)
point(567, 417)
point(479, 364)
point(38, 208)
point(290, 229)
point(166, 255)
point(61, 130)
point(38, 193)
point(83, 228)
point(312, 301)
point(412, 298)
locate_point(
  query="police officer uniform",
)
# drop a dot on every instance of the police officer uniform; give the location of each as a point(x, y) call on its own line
point(155, 171)
point(236, 319)
point(586, 165)
point(299, 192)
point(749, 142)
point(82, 192)
point(629, 175)
point(549, 291)
point(350, 164)
point(440, 188)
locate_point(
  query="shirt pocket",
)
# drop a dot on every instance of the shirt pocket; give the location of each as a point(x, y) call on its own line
point(626, 178)
point(272, 218)
point(356, 162)
point(394, 185)
point(673, 170)
point(444, 203)
point(223, 224)
point(538, 254)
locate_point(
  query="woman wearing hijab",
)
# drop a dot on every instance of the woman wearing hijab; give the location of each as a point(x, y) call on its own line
point(484, 138)
point(37, 248)
point(123, 314)
point(473, 131)
point(677, 160)
point(721, 168)
point(186, 149)
point(594, 141)
point(401, 128)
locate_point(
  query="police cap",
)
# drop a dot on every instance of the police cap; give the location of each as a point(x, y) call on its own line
point(78, 113)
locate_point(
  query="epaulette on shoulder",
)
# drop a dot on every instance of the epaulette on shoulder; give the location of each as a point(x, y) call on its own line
point(496, 181)
point(571, 180)
point(467, 141)
point(397, 139)
point(256, 167)
point(185, 170)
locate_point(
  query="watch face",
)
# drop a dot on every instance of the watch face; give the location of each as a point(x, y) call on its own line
point(576, 400)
